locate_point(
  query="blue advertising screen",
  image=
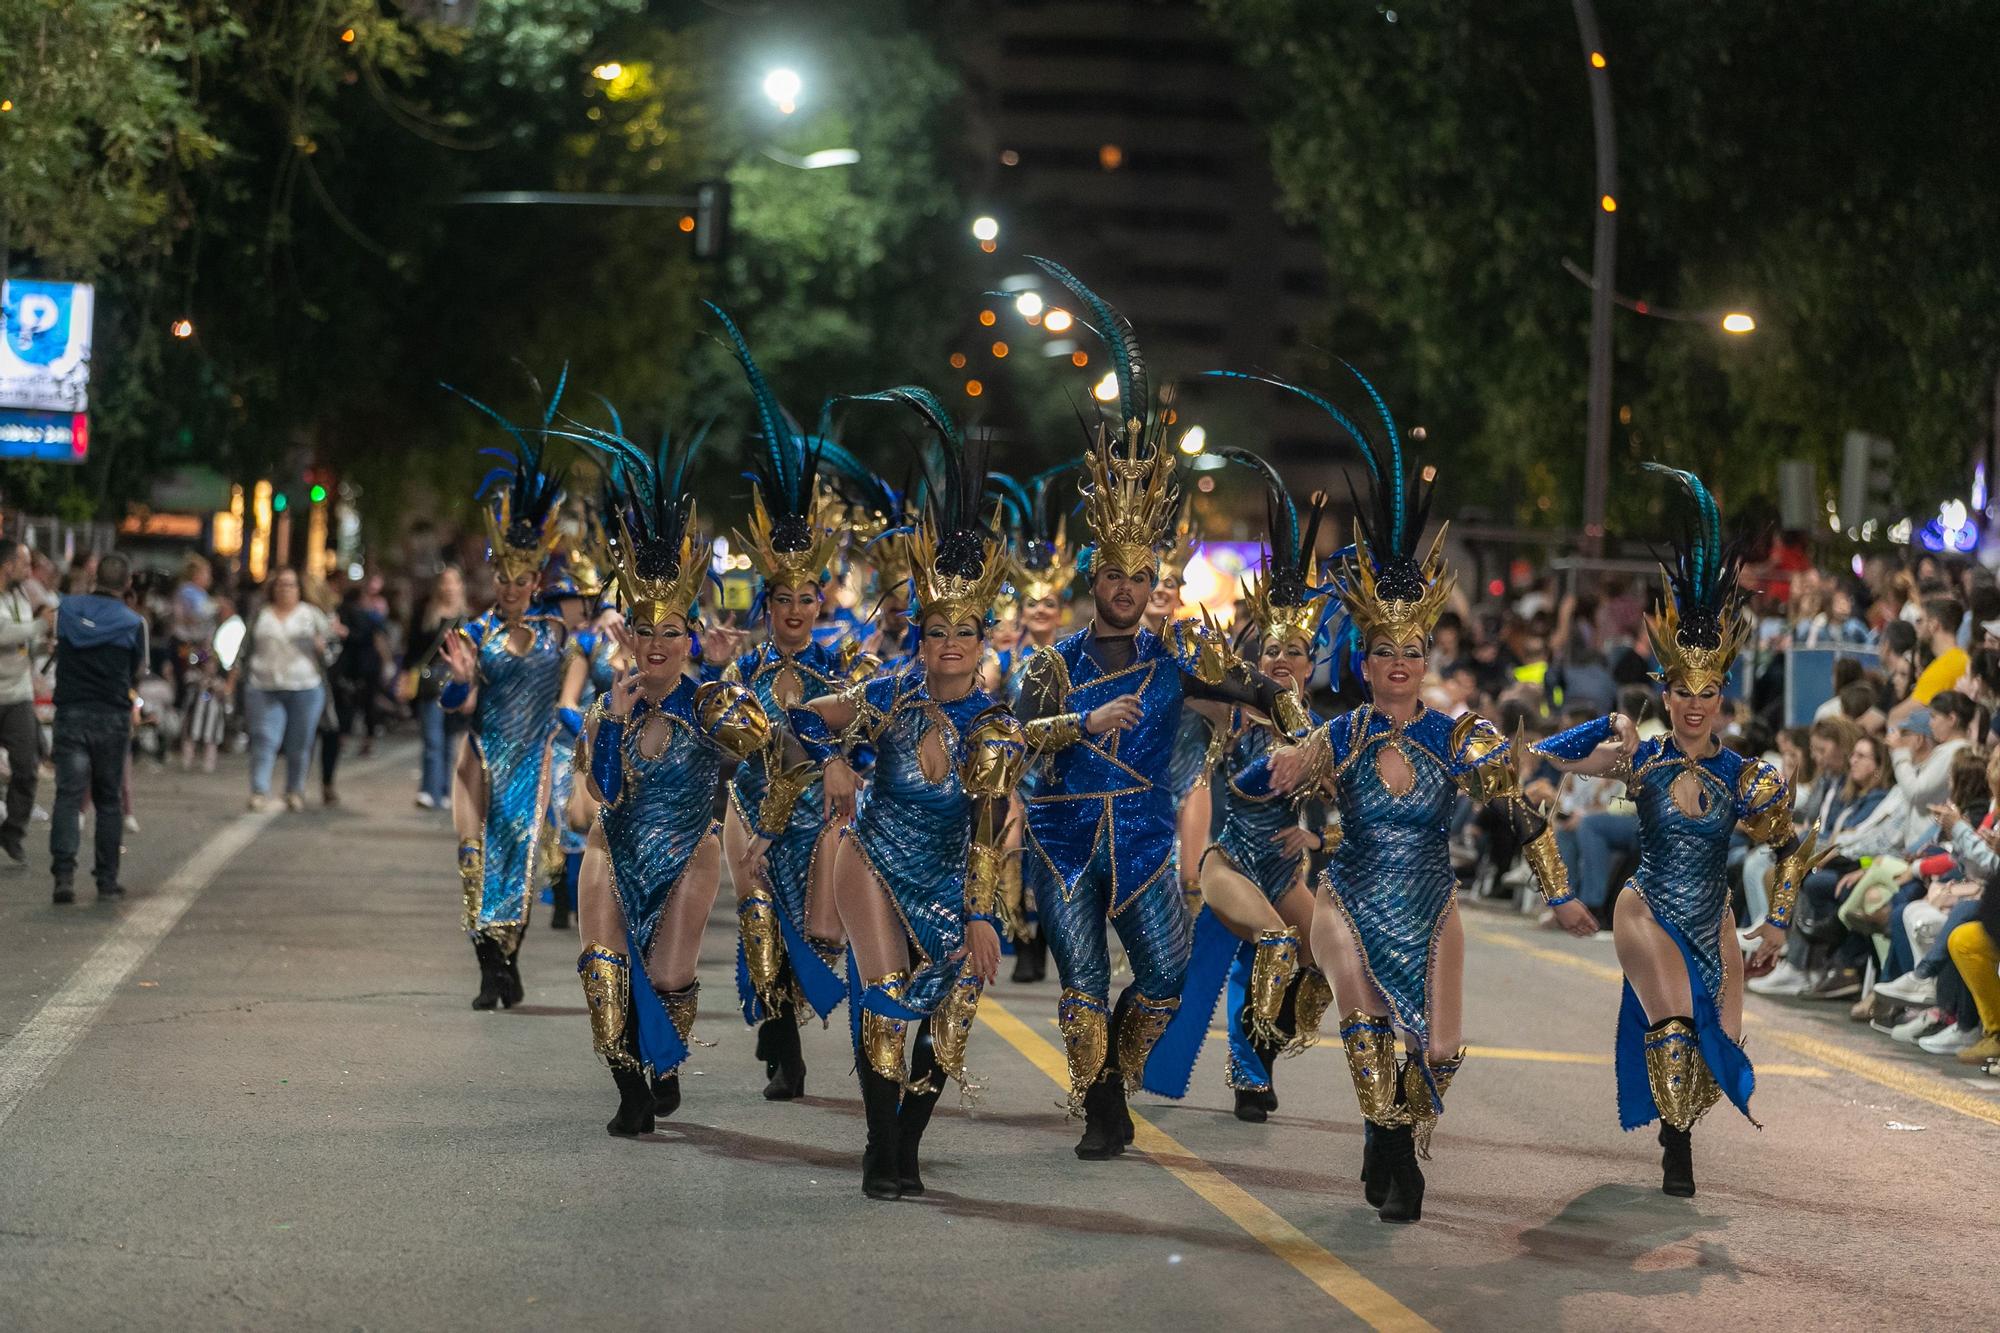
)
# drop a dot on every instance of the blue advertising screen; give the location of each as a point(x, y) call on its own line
point(48, 437)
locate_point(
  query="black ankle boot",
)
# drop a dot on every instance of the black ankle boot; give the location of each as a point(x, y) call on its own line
point(1250, 1106)
point(1676, 1161)
point(1397, 1149)
point(666, 1095)
point(1103, 1119)
point(778, 1039)
point(512, 992)
point(1374, 1175)
point(880, 1098)
point(635, 1104)
point(915, 1117)
point(1031, 957)
point(490, 983)
point(1269, 1096)
point(560, 906)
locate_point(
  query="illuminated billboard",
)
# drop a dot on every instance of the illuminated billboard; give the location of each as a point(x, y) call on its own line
point(46, 437)
point(45, 345)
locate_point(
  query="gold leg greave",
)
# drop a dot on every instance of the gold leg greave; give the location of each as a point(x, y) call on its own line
point(1086, 1030)
point(472, 879)
point(951, 1027)
point(1272, 967)
point(607, 990)
point(1371, 1062)
point(508, 937)
point(881, 1036)
point(1141, 1026)
point(763, 947)
point(1683, 1087)
point(1309, 1005)
point(681, 1006)
point(1417, 1096)
point(1014, 899)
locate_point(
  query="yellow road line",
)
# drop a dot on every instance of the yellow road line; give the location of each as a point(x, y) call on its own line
point(1368, 1302)
point(1886, 1073)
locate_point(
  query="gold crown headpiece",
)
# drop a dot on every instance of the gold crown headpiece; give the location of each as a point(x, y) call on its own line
point(1699, 628)
point(1128, 499)
point(793, 548)
point(519, 546)
point(1698, 660)
point(1049, 576)
point(1401, 601)
point(660, 575)
point(958, 574)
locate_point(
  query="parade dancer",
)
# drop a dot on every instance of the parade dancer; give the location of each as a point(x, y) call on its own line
point(1252, 935)
point(1042, 570)
point(575, 589)
point(1197, 743)
point(1101, 708)
point(1386, 925)
point(789, 948)
point(1681, 1021)
point(918, 874)
point(506, 670)
point(653, 748)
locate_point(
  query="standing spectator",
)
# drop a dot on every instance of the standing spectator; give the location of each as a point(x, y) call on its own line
point(101, 654)
point(24, 626)
point(443, 611)
point(356, 680)
point(288, 643)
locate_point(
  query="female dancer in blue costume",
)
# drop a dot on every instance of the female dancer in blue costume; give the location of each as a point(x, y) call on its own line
point(918, 874)
point(1198, 740)
point(789, 944)
point(1386, 925)
point(1042, 571)
point(1682, 1016)
point(653, 748)
point(1252, 936)
point(575, 587)
point(506, 670)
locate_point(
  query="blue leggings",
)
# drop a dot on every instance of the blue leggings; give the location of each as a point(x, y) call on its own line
point(1153, 927)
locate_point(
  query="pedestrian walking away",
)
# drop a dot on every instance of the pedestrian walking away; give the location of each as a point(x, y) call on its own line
point(100, 657)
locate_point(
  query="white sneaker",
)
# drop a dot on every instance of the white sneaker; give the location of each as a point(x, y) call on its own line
point(1784, 979)
point(426, 801)
point(131, 823)
point(1910, 989)
point(1949, 1041)
point(259, 804)
point(1916, 1025)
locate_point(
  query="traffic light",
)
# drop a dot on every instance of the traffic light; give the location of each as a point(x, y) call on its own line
point(711, 220)
point(1867, 480)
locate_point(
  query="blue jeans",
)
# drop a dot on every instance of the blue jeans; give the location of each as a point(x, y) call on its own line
point(1601, 841)
point(90, 748)
point(287, 720)
point(1901, 958)
point(437, 751)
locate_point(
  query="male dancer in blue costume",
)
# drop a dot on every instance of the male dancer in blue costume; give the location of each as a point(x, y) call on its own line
point(1101, 709)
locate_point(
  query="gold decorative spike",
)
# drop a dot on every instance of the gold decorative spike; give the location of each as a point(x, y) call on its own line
point(517, 562)
point(1279, 622)
point(1044, 582)
point(1417, 1096)
point(1371, 1062)
point(1141, 1027)
point(607, 991)
point(1683, 1087)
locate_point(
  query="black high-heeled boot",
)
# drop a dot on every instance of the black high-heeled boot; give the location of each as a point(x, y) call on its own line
point(778, 1039)
point(915, 1116)
point(635, 1104)
point(512, 992)
point(880, 1099)
point(560, 903)
point(1676, 1161)
point(1374, 1176)
point(490, 983)
point(1397, 1149)
point(1103, 1129)
point(1031, 957)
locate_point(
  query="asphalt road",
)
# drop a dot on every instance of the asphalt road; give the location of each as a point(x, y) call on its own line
point(254, 1096)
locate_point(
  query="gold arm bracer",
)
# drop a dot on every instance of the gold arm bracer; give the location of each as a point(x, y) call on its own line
point(781, 796)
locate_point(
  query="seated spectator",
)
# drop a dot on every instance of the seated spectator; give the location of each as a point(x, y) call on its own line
point(1973, 953)
point(1938, 631)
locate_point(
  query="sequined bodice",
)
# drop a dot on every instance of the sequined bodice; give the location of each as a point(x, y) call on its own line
point(516, 710)
point(1680, 852)
point(1382, 830)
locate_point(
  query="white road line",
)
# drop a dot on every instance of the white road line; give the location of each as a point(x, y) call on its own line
point(32, 1054)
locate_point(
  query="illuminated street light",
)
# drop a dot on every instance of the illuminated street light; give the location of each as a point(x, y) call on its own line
point(985, 229)
point(608, 71)
point(183, 328)
point(825, 157)
point(1029, 303)
point(1194, 441)
point(783, 87)
point(1057, 321)
point(1107, 388)
point(1736, 321)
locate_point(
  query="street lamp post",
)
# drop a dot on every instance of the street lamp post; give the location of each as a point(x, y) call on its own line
point(1604, 264)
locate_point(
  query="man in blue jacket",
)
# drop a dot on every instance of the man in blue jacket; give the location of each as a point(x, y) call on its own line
point(100, 656)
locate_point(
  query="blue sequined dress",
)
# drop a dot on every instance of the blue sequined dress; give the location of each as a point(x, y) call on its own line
point(1682, 877)
point(780, 682)
point(513, 726)
point(597, 649)
point(915, 831)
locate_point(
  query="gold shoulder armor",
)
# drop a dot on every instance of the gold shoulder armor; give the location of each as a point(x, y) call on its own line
point(732, 718)
point(1766, 802)
point(1047, 672)
point(996, 755)
point(1479, 749)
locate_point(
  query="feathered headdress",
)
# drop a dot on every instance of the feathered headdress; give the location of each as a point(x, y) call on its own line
point(521, 531)
point(1698, 630)
point(1043, 564)
point(660, 557)
point(793, 537)
point(956, 558)
point(1284, 603)
point(1129, 496)
point(1386, 588)
point(583, 561)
